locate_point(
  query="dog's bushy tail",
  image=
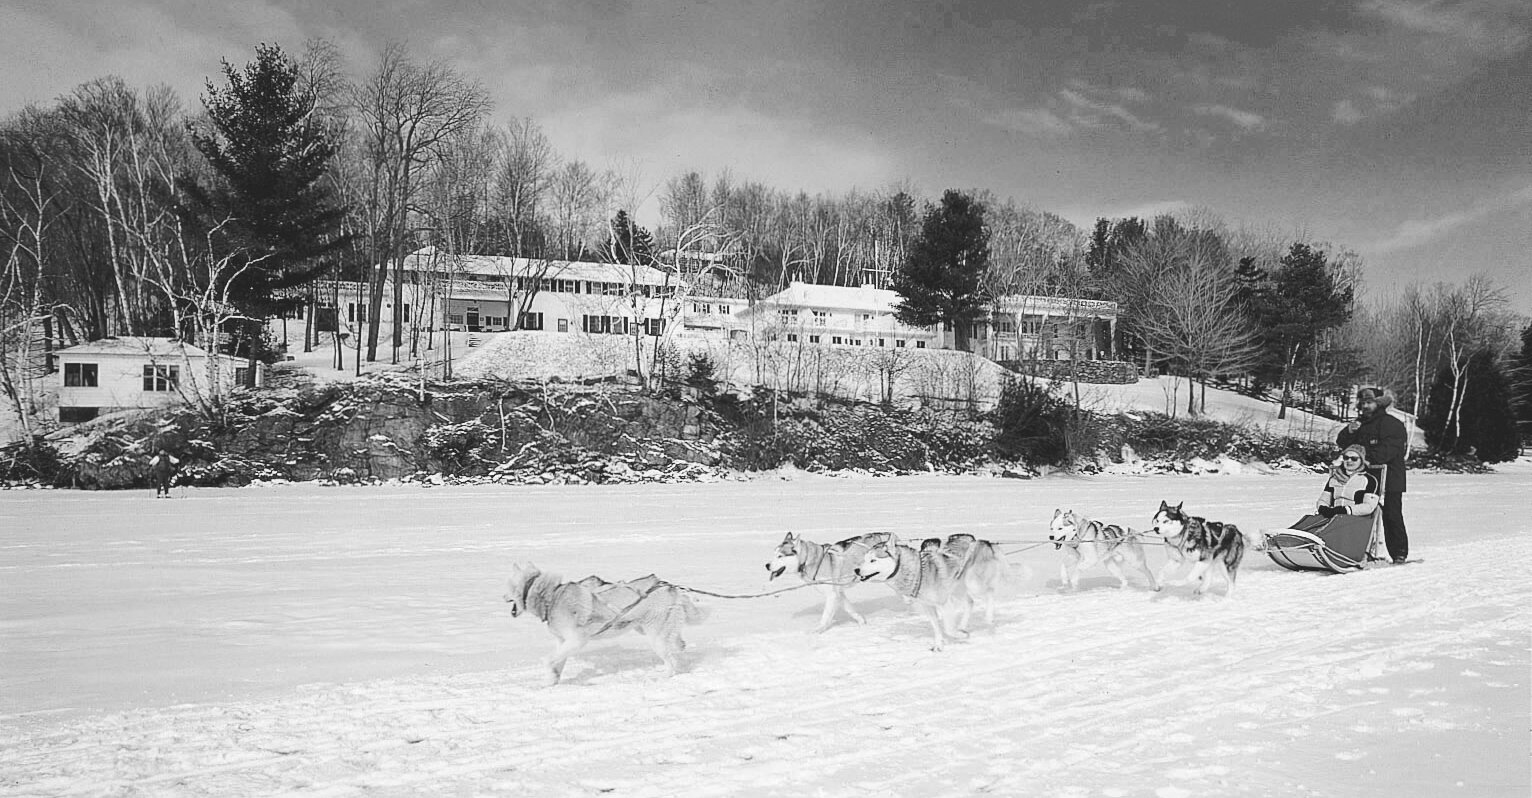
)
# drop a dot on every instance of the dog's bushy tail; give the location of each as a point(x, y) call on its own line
point(1234, 549)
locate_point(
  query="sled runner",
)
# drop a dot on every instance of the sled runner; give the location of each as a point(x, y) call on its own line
point(1338, 545)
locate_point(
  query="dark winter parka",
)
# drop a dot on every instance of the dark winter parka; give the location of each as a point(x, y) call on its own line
point(1386, 440)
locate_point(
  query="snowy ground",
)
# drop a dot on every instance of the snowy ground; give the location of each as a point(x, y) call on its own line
point(330, 641)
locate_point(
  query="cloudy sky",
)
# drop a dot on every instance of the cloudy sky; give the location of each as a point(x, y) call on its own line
point(1401, 129)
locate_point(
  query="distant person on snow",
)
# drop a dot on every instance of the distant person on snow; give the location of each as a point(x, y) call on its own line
point(163, 467)
point(1387, 444)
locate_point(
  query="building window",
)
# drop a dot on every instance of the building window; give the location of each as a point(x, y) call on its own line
point(75, 415)
point(788, 315)
point(821, 317)
point(564, 325)
point(813, 339)
point(882, 342)
point(723, 310)
point(241, 374)
point(455, 319)
point(792, 337)
point(161, 378)
point(699, 307)
point(531, 321)
point(899, 343)
point(356, 313)
point(920, 344)
point(654, 327)
point(837, 340)
point(80, 375)
point(1032, 328)
point(605, 324)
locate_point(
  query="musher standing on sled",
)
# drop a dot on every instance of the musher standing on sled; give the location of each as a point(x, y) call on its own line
point(1387, 444)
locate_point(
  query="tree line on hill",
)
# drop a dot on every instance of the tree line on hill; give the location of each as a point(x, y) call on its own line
point(124, 213)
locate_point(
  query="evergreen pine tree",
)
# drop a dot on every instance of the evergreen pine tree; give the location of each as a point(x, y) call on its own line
point(1521, 385)
point(269, 206)
point(627, 243)
point(1487, 424)
point(941, 278)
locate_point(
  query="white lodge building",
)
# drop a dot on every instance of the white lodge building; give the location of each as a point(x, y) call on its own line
point(1017, 328)
point(829, 315)
point(124, 373)
point(489, 293)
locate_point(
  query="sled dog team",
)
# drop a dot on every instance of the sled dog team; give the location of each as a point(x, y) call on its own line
point(943, 580)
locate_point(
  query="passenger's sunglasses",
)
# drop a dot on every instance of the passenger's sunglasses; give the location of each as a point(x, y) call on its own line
point(1353, 458)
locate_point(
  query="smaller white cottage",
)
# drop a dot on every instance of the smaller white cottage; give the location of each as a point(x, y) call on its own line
point(132, 372)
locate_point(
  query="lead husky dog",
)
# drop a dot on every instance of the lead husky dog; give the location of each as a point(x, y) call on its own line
point(832, 566)
point(578, 612)
point(929, 579)
point(1087, 543)
point(1217, 547)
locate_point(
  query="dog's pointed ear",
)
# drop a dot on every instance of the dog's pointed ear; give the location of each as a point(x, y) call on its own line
point(1179, 506)
point(788, 538)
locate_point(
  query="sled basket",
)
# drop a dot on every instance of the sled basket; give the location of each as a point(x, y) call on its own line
point(1338, 545)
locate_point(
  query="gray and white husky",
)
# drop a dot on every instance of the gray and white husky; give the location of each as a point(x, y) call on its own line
point(1087, 543)
point(984, 571)
point(578, 612)
point(1216, 547)
point(927, 579)
point(832, 566)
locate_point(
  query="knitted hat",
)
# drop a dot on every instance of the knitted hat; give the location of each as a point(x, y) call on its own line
point(1359, 450)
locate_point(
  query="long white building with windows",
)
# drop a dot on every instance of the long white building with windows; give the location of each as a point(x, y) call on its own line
point(489, 293)
point(1016, 327)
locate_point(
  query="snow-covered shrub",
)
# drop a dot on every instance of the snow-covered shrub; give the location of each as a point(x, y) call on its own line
point(1033, 422)
point(458, 448)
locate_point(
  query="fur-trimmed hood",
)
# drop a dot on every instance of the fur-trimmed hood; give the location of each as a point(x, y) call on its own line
point(1383, 396)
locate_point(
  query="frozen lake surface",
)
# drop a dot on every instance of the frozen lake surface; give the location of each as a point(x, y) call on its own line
point(342, 641)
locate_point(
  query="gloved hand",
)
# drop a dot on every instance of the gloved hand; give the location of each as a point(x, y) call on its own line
point(1329, 512)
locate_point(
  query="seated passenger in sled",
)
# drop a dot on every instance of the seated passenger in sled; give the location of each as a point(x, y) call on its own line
point(1342, 533)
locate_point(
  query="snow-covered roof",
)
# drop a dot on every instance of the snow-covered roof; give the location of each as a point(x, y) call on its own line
point(865, 299)
point(136, 346)
point(430, 259)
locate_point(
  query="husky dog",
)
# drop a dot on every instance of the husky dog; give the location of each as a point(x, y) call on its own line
point(578, 612)
point(1216, 546)
point(832, 566)
point(927, 578)
point(983, 571)
point(1087, 543)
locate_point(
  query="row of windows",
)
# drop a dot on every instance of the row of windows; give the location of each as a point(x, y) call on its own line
point(87, 375)
point(555, 285)
point(157, 379)
point(619, 325)
point(841, 340)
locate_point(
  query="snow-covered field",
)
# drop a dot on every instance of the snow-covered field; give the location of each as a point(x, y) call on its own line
point(329, 641)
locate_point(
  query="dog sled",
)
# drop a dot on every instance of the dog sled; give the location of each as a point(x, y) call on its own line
point(1338, 545)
